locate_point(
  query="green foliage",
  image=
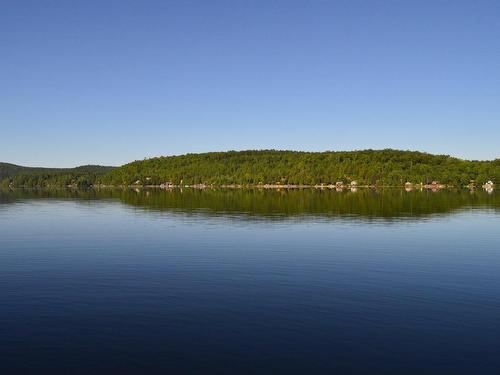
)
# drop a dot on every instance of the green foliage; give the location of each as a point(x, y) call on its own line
point(17, 176)
point(368, 167)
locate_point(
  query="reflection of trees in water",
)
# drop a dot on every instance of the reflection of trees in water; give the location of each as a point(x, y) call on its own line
point(384, 203)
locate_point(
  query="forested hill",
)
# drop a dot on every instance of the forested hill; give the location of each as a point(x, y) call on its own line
point(15, 175)
point(368, 167)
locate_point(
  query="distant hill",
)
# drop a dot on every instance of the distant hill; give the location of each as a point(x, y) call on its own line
point(368, 167)
point(18, 175)
point(9, 170)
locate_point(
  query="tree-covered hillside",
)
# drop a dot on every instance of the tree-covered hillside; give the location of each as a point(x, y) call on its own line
point(15, 175)
point(368, 167)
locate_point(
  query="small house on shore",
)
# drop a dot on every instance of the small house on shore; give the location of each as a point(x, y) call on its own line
point(489, 186)
point(434, 185)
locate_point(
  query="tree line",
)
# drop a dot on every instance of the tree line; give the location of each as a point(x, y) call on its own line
point(18, 176)
point(368, 167)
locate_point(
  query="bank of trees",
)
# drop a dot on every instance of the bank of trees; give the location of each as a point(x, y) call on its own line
point(369, 167)
point(17, 176)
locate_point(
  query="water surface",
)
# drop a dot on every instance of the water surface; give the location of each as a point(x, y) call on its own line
point(231, 281)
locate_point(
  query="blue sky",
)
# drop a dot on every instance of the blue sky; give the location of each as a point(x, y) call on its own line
point(108, 82)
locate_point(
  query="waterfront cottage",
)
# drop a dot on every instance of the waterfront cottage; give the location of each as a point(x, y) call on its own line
point(434, 185)
point(488, 185)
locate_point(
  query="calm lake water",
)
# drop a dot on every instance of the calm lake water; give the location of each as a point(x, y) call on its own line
point(232, 281)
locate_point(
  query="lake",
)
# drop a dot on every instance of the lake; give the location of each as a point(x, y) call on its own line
point(249, 281)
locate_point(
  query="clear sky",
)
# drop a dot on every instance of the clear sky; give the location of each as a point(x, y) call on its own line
point(108, 82)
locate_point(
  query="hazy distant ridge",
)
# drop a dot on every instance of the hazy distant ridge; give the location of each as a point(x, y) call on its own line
point(17, 175)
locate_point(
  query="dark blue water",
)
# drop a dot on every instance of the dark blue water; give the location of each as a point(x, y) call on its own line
point(97, 285)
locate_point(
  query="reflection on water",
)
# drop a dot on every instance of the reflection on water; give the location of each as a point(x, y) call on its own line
point(362, 203)
point(249, 281)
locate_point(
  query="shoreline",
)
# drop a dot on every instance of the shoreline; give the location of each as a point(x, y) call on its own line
point(407, 188)
point(335, 187)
